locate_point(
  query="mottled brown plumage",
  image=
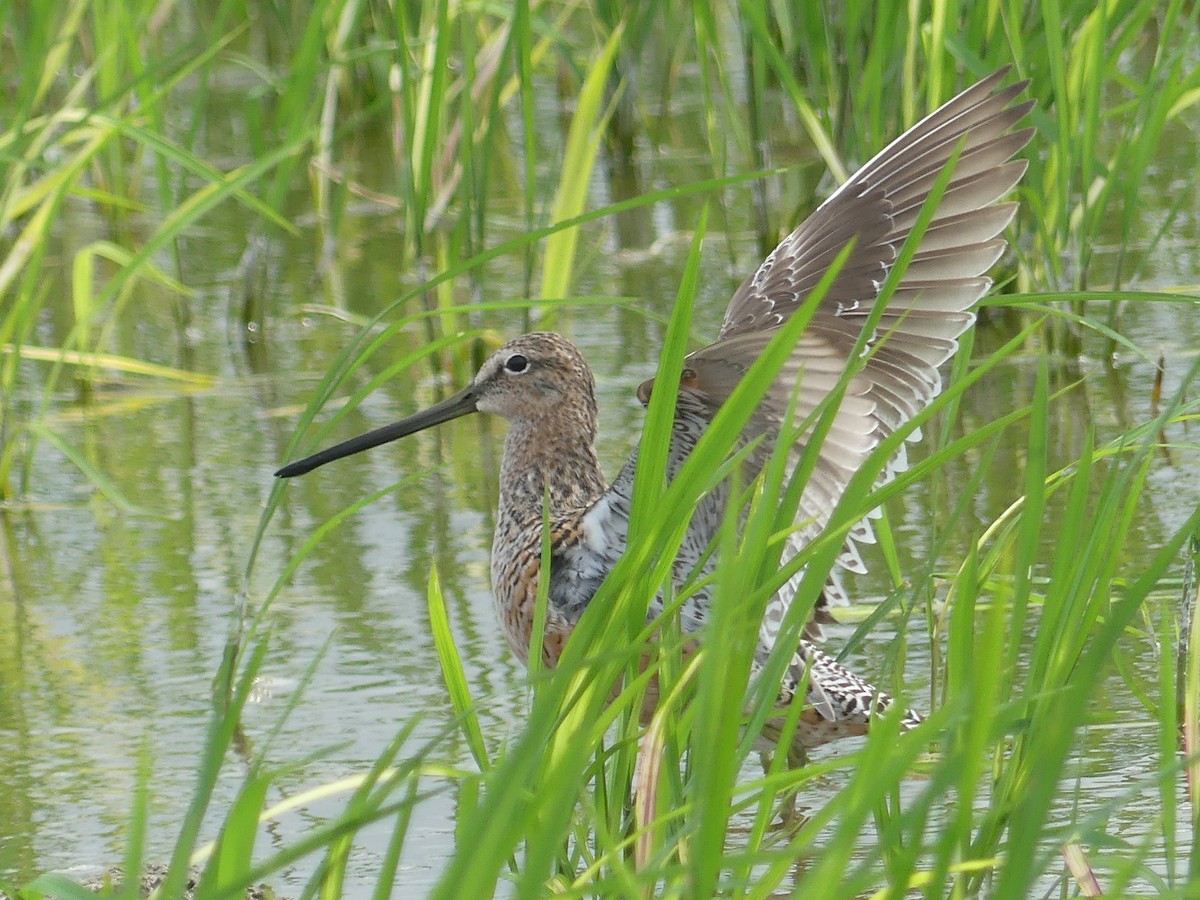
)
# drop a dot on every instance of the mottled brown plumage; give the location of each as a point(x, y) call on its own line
point(543, 387)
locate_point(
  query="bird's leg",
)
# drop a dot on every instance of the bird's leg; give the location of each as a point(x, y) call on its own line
point(789, 818)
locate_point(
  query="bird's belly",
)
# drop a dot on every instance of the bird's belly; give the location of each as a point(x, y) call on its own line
point(514, 590)
point(576, 576)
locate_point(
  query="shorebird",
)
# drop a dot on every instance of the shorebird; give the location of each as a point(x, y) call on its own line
point(541, 384)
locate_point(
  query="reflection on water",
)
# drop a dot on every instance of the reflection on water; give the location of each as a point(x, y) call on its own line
point(114, 619)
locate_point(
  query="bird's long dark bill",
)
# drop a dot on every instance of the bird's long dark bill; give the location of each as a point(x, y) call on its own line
point(451, 408)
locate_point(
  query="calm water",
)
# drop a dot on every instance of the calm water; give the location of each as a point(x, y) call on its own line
point(112, 621)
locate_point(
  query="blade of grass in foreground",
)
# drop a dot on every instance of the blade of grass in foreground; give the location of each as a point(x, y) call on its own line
point(453, 674)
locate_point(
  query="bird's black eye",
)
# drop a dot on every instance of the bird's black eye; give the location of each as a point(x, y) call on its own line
point(516, 363)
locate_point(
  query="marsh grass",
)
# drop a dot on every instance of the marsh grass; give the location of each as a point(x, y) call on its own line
point(583, 801)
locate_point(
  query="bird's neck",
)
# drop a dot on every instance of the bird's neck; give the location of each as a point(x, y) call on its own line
point(548, 459)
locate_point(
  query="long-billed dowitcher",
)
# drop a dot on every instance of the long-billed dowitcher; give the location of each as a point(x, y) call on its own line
point(543, 386)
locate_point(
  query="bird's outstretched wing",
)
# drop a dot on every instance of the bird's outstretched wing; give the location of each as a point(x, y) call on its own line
point(876, 209)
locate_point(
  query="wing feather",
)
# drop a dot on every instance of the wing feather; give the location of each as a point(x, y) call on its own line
point(876, 209)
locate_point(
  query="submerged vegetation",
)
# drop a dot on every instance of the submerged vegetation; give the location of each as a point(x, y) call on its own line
point(497, 135)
